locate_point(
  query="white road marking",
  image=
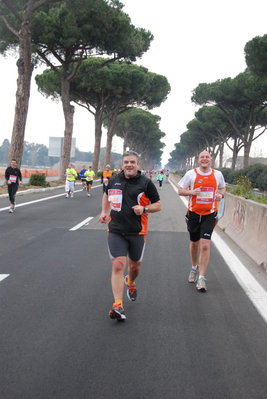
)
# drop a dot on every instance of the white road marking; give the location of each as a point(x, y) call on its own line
point(252, 288)
point(44, 199)
point(256, 293)
point(85, 221)
point(2, 276)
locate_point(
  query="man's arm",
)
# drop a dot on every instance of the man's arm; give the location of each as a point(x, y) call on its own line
point(151, 208)
point(20, 177)
point(184, 192)
point(220, 193)
point(105, 207)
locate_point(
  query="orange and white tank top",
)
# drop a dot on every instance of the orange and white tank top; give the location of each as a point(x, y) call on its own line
point(203, 203)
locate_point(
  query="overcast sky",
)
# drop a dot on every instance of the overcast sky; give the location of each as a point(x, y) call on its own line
point(194, 42)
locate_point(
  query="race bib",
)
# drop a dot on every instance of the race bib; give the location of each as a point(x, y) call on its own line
point(13, 178)
point(206, 196)
point(69, 175)
point(115, 199)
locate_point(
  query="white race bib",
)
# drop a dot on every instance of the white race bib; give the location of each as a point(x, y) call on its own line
point(206, 196)
point(115, 199)
point(13, 178)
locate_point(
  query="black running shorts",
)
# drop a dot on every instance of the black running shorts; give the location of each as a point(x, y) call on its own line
point(200, 226)
point(131, 246)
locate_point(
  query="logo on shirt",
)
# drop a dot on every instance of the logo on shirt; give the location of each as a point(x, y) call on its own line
point(117, 184)
point(200, 181)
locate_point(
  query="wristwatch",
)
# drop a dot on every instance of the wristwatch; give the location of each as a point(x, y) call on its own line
point(145, 211)
point(222, 196)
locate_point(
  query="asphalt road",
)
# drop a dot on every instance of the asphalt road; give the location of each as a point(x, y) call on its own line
point(57, 341)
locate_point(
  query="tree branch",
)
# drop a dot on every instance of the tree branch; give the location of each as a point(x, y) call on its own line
point(13, 30)
point(12, 9)
point(37, 4)
point(109, 61)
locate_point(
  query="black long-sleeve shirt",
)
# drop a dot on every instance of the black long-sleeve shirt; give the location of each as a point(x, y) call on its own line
point(13, 174)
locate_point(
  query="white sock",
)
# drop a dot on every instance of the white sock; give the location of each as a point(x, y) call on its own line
point(200, 277)
point(194, 267)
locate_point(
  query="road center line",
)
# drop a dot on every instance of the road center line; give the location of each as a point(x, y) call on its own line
point(256, 293)
point(2, 276)
point(81, 224)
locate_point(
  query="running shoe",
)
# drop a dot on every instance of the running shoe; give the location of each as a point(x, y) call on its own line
point(10, 210)
point(67, 196)
point(201, 285)
point(71, 194)
point(131, 290)
point(193, 276)
point(117, 312)
point(88, 195)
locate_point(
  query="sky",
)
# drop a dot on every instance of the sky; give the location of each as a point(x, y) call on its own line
point(194, 42)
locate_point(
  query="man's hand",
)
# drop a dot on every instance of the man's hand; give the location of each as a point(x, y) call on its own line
point(218, 196)
point(138, 209)
point(197, 191)
point(9, 182)
point(103, 218)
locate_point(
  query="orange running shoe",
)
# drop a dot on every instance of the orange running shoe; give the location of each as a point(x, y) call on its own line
point(117, 312)
point(131, 290)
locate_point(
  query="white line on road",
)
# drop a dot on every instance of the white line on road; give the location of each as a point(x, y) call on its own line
point(2, 276)
point(81, 224)
point(252, 288)
point(44, 199)
point(256, 293)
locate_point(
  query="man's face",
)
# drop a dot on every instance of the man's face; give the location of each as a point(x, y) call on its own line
point(204, 160)
point(70, 165)
point(130, 166)
point(13, 164)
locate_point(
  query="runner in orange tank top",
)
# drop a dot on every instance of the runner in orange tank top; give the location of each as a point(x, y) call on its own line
point(205, 187)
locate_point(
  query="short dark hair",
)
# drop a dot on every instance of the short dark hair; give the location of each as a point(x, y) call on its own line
point(131, 152)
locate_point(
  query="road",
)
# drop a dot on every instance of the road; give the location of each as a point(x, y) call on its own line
point(57, 341)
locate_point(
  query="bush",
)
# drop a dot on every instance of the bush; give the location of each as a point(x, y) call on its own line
point(37, 179)
point(262, 180)
point(227, 174)
point(253, 172)
point(244, 186)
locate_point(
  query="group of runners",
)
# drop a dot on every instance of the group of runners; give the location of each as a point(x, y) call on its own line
point(87, 178)
point(128, 198)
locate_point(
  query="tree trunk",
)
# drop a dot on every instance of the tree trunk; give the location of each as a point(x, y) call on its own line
point(234, 157)
point(110, 136)
point(247, 147)
point(98, 135)
point(68, 110)
point(25, 69)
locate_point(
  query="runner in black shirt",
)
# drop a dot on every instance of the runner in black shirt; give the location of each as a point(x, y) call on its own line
point(130, 196)
point(14, 179)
